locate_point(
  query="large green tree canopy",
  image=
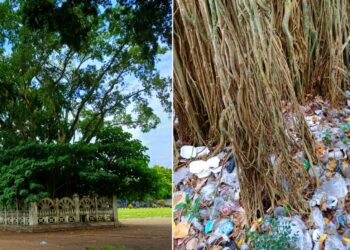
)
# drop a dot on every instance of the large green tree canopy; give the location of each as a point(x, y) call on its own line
point(72, 73)
point(114, 164)
point(66, 66)
point(164, 190)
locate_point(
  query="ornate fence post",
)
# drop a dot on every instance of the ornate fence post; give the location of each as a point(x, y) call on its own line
point(33, 214)
point(57, 217)
point(96, 209)
point(76, 208)
point(115, 211)
point(5, 215)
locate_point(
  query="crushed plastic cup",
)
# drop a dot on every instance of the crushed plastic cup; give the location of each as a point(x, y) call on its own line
point(316, 234)
point(227, 227)
point(216, 170)
point(336, 186)
point(341, 220)
point(318, 196)
point(307, 241)
point(330, 228)
point(215, 236)
point(318, 111)
point(188, 152)
point(180, 175)
point(336, 154)
point(197, 225)
point(317, 218)
point(314, 128)
point(279, 211)
point(203, 174)
point(208, 192)
point(244, 246)
point(203, 169)
point(209, 227)
point(331, 202)
point(199, 166)
point(230, 179)
point(213, 162)
point(202, 151)
point(312, 120)
point(333, 242)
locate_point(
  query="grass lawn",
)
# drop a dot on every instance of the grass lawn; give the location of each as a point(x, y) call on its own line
point(126, 213)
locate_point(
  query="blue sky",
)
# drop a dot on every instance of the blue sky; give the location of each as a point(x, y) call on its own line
point(159, 140)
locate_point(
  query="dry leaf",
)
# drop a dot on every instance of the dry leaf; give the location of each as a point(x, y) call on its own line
point(320, 151)
point(200, 184)
point(346, 240)
point(322, 239)
point(240, 217)
point(332, 164)
point(323, 204)
point(180, 198)
point(181, 230)
point(191, 244)
point(329, 173)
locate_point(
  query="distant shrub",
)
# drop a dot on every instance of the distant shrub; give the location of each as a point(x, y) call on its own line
point(130, 206)
point(161, 203)
point(154, 205)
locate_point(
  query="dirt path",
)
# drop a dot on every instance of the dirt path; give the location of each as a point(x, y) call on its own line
point(150, 233)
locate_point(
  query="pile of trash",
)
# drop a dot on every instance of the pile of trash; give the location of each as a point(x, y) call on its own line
point(207, 209)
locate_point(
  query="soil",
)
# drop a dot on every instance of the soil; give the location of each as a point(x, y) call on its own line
point(150, 233)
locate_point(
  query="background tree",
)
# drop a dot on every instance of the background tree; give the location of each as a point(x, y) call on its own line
point(164, 190)
point(72, 73)
point(115, 164)
point(63, 92)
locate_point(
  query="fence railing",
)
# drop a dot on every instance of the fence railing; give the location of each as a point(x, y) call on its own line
point(61, 211)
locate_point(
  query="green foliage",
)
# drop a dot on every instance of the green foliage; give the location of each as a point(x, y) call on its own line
point(146, 21)
point(115, 164)
point(190, 209)
point(164, 190)
point(326, 137)
point(307, 165)
point(345, 127)
point(278, 237)
point(161, 203)
point(154, 205)
point(54, 93)
point(287, 209)
point(130, 206)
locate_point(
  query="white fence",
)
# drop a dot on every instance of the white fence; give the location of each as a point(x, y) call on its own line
point(62, 211)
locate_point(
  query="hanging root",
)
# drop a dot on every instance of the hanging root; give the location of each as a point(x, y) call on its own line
point(235, 64)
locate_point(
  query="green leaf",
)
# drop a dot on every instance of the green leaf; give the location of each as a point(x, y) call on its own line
point(187, 199)
point(180, 206)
